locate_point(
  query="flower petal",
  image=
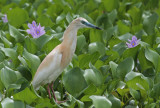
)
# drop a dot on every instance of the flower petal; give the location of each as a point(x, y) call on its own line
point(134, 38)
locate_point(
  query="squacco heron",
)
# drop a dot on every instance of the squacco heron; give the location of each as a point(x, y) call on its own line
point(60, 57)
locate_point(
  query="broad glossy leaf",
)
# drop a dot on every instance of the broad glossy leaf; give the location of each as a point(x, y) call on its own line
point(97, 46)
point(91, 89)
point(149, 23)
point(120, 48)
point(116, 103)
point(42, 40)
point(33, 61)
point(154, 57)
point(81, 42)
point(74, 81)
point(45, 21)
point(131, 52)
point(85, 59)
point(2, 56)
point(125, 67)
point(31, 45)
point(135, 94)
point(1, 85)
point(93, 77)
point(17, 16)
point(155, 91)
point(6, 42)
point(8, 76)
point(26, 95)
point(144, 63)
point(113, 67)
point(122, 27)
point(44, 103)
point(110, 4)
point(111, 56)
point(136, 15)
point(9, 52)
point(10, 103)
point(19, 37)
point(101, 102)
point(95, 36)
point(105, 21)
point(137, 81)
point(109, 33)
point(50, 45)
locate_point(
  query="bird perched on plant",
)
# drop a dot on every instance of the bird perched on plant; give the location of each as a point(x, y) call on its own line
point(60, 57)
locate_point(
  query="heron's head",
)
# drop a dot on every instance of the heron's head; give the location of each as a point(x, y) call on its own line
point(81, 23)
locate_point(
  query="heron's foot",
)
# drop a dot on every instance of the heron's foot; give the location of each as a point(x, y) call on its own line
point(59, 102)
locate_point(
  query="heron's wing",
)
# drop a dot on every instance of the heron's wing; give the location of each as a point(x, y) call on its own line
point(48, 66)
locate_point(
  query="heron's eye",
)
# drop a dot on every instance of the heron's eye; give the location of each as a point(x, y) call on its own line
point(83, 22)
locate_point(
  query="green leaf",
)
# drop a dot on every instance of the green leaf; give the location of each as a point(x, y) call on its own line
point(120, 48)
point(101, 102)
point(135, 94)
point(93, 77)
point(122, 27)
point(8, 76)
point(116, 103)
point(97, 46)
point(1, 85)
point(50, 45)
point(125, 67)
point(155, 91)
point(85, 59)
point(33, 61)
point(9, 103)
point(91, 89)
point(109, 33)
point(149, 24)
point(154, 57)
point(74, 81)
point(136, 15)
point(6, 42)
point(137, 81)
point(42, 40)
point(2, 56)
point(26, 95)
point(16, 34)
point(131, 52)
point(144, 63)
point(95, 35)
point(81, 42)
point(31, 45)
point(45, 21)
point(109, 5)
point(112, 56)
point(17, 16)
point(113, 67)
point(9, 52)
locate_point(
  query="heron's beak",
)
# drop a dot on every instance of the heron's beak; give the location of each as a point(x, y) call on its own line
point(92, 26)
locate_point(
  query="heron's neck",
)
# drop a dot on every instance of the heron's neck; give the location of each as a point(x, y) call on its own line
point(70, 36)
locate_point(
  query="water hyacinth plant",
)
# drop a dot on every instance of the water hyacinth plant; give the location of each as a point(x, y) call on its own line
point(133, 43)
point(34, 30)
point(4, 19)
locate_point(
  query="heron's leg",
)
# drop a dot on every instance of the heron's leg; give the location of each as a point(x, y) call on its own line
point(49, 93)
point(53, 91)
point(59, 102)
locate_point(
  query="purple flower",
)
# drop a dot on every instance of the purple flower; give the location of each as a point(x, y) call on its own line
point(133, 43)
point(34, 30)
point(5, 20)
